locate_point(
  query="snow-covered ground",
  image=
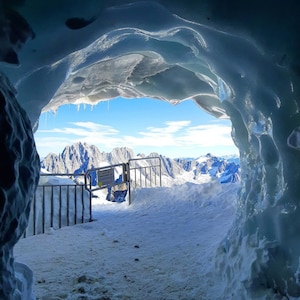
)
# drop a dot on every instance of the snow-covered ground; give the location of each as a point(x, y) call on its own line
point(162, 246)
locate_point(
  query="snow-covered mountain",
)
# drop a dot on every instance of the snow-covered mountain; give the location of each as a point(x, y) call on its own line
point(80, 157)
point(226, 170)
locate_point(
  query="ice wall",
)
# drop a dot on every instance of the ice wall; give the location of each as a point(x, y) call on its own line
point(261, 252)
point(18, 179)
point(234, 58)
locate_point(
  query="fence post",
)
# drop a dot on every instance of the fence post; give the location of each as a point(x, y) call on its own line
point(75, 204)
point(52, 208)
point(68, 206)
point(159, 171)
point(60, 208)
point(34, 212)
point(128, 181)
point(43, 211)
point(90, 195)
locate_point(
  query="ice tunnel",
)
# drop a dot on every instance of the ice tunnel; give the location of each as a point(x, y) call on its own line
point(236, 59)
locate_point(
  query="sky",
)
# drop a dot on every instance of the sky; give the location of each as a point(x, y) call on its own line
point(144, 125)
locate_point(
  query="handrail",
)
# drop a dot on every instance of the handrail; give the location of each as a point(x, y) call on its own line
point(104, 177)
point(139, 168)
point(49, 200)
point(111, 183)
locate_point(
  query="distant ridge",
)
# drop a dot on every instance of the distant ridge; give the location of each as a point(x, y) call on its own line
point(80, 157)
point(225, 170)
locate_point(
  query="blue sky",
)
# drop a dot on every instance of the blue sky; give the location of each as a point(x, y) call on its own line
point(144, 125)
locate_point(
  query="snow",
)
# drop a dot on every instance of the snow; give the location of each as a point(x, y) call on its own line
point(162, 246)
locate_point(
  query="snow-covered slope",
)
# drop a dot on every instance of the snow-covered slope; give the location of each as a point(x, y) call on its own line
point(162, 246)
point(80, 157)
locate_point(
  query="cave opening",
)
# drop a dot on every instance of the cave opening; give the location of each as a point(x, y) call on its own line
point(241, 61)
point(143, 124)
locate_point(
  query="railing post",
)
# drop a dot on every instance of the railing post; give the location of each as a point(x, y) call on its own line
point(68, 206)
point(90, 195)
point(60, 208)
point(128, 178)
point(52, 209)
point(160, 171)
point(34, 214)
point(75, 204)
point(43, 211)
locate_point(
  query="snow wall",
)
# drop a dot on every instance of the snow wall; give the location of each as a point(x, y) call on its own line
point(236, 59)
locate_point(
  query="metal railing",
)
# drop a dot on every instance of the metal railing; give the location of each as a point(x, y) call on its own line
point(56, 205)
point(136, 173)
point(144, 175)
point(105, 177)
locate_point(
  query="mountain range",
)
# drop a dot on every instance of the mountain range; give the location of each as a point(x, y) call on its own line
point(80, 157)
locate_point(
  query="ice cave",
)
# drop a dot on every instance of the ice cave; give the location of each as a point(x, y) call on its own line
point(236, 59)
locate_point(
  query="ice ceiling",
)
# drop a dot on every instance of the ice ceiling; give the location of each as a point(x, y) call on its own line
point(239, 59)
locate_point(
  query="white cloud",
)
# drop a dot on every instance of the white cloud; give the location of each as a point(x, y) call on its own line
point(54, 140)
point(171, 128)
point(207, 135)
point(82, 129)
point(46, 145)
point(158, 136)
point(96, 127)
point(180, 134)
point(173, 134)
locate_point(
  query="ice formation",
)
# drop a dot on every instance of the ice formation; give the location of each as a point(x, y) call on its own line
point(19, 175)
point(234, 58)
